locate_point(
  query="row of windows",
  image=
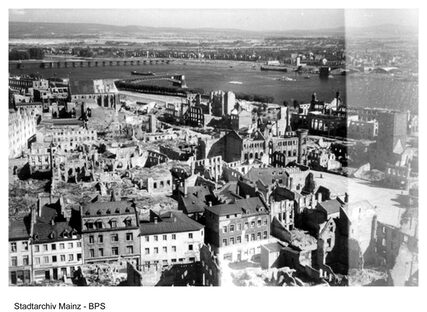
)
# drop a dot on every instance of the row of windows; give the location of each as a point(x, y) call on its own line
point(114, 238)
point(286, 143)
point(70, 245)
point(25, 261)
point(290, 152)
point(155, 250)
point(161, 184)
point(108, 212)
point(238, 227)
point(165, 237)
point(113, 224)
point(77, 139)
point(13, 246)
point(165, 262)
point(238, 239)
point(114, 251)
point(252, 155)
point(254, 145)
point(75, 132)
point(55, 258)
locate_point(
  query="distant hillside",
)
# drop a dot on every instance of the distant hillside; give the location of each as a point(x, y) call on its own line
point(385, 30)
point(59, 30)
point(18, 30)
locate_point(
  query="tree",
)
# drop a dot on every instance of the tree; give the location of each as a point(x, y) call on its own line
point(18, 55)
point(36, 53)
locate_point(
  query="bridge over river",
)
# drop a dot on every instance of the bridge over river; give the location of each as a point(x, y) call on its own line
point(72, 63)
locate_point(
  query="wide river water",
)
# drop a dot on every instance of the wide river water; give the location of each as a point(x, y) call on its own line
point(370, 90)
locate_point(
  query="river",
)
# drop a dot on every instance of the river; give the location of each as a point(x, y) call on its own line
point(370, 90)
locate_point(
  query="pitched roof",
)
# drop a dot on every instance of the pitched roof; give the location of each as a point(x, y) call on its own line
point(195, 201)
point(19, 229)
point(63, 122)
point(331, 206)
point(100, 208)
point(355, 209)
point(273, 247)
point(266, 175)
point(48, 212)
point(250, 205)
point(43, 232)
point(229, 191)
point(170, 222)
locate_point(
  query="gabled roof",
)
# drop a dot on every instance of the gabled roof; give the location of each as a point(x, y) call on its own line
point(233, 133)
point(43, 232)
point(398, 148)
point(229, 190)
point(252, 206)
point(100, 208)
point(170, 222)
point(281, 193)
point(257, 135)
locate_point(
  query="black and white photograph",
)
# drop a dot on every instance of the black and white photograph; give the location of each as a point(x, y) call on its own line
point(194, 147)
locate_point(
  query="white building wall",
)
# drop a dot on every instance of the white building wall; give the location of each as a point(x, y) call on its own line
point(181, 242)
point(43, 257)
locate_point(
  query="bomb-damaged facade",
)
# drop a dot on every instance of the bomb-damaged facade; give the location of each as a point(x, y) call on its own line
point(206, 183)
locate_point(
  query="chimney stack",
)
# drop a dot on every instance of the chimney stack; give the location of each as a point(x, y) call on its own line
point(113, 196)
point(247, 196)
point(155, 220)
point(210, 204)
point(185, 189)
point(313, 201)
point(319, 197)
point(346, 198)
point(39, 206)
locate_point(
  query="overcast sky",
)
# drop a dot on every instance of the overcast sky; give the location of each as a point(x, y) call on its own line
point(246, 19)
